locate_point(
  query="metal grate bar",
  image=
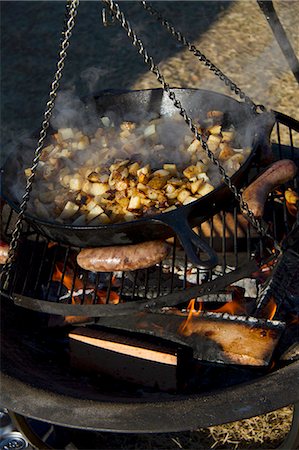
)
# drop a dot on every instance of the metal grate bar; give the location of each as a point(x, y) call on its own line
point(61, 285)
point(73, 283)
point(109, 287)
point(41, 265)
point(30, 267)
point(279, 140)
point(159, 279)
point(51, 272)
point(235, 214)
point(223, 242)
point(173, 264)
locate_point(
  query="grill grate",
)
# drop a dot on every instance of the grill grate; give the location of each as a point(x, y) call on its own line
point(40, 261)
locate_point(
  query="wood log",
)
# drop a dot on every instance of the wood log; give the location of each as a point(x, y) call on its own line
point(214, 337)
point(124, 357)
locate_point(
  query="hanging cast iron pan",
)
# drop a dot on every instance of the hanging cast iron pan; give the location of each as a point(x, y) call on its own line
point(253, 130)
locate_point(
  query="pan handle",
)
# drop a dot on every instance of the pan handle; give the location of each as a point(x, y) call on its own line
point(192, 243)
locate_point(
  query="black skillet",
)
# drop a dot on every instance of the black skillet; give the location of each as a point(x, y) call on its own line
point(253, 130)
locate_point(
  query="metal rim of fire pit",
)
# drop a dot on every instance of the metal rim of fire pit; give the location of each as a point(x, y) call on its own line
point(167, 414)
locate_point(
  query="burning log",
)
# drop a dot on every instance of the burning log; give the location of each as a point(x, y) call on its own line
point(214, 337)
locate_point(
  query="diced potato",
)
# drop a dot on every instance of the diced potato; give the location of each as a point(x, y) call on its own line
point(171, 208)
point(189, 199)
point(201, 167)
point(227, 136)
point(150, 130)
point(195, 186)
point(94, 177)
point(175, 182)
point(161, 173)
point(190, 172)
point(135, 203)
point(205, 188)
point(124, 202)
point(169, 188)
point(83, 143)
point(128, 126)
point(157, 182)
point(105, 121)
point(146, 170)
point(142, 187)
point(226, 153)
point(173, 195)
point(213, 142)
point(76, 183)
point(152, 194)
point(133, 168)
point(146, 202)
point(203, 177)
point(195, 145)
point(70, 210)
point(171, 168)
point(143, 178)
point(118, 164)
point(90, 205)
point(215, 129)
point(96, 211)
point(66, 133)
point(98, 188)
point(28, 172)
point(102, 219)
point(121, 185)
point(183, 194)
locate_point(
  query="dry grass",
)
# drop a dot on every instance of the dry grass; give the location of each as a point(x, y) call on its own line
point(262, 432)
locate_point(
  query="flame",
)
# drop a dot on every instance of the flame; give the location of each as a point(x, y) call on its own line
point(74, 283)
point(292, 201)
point(233, 307)
point(269, 310)
point(192, 312)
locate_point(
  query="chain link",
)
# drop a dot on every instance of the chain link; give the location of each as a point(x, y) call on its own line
point(71, 12)
point(115, 10)
point(201, 57)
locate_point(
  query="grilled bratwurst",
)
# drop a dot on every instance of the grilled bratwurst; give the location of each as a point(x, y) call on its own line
point(124, 257)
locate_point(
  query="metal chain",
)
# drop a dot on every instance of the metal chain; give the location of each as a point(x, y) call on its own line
point(71, 12)
point(115, 10)
point(201, 57)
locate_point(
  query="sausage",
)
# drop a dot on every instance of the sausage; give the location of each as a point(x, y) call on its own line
point(124, 257)
point(255, 195)
point(4, 248)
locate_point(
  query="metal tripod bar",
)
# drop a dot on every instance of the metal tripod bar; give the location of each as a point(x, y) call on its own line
point(280, 36)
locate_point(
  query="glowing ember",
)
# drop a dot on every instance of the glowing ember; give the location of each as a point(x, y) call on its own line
point(76, 286)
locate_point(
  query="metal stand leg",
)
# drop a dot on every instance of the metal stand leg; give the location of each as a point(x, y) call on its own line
point(280, 35)
point(291, 442)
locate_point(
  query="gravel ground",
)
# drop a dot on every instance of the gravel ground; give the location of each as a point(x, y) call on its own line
point(233, 35)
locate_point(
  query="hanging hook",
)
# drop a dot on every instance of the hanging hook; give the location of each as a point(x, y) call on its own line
point(108, 19)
